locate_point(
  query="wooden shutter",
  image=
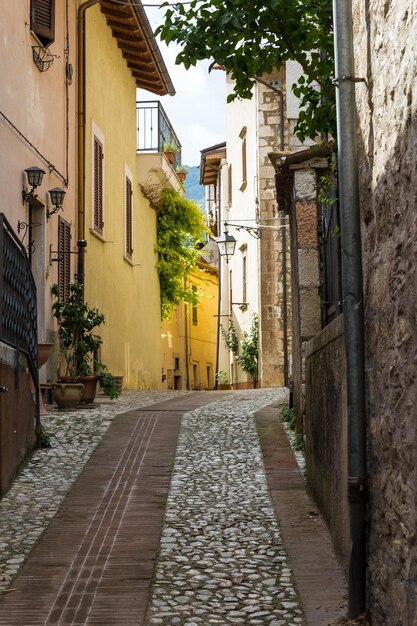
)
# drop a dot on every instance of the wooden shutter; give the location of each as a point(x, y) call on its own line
point(129, 237)
point(42, 20)
point(98, 186)
point(64, 258)
point(229, 184)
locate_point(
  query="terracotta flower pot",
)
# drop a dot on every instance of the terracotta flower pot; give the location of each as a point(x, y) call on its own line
point(44, 352)
point(67, 395)
point(90, 388)
point(170, 156)
point(181, 176)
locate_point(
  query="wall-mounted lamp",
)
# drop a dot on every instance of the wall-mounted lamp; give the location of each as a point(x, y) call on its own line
point(57, 199)
point(227, 245)
point(34, 175)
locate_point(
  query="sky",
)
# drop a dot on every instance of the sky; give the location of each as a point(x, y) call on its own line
point(198, 110)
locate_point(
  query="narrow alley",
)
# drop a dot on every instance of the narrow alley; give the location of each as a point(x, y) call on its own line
point(167, 508)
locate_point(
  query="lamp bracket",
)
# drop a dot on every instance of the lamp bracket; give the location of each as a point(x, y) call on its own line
point(60, 255)
point(254, 231)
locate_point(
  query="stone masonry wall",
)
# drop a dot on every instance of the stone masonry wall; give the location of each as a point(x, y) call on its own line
point(271, 325)
point(305, 274)
point(385, 55)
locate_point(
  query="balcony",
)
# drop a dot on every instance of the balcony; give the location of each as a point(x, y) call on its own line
point(154, 130)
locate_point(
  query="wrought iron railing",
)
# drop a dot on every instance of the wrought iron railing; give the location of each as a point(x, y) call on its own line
point(18, 310)
point(154, 130)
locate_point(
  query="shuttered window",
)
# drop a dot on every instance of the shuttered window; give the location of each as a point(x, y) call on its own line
point(128, 208)
point(64, 258)
point(195, 313)
point(98, 186)
point(42, 20)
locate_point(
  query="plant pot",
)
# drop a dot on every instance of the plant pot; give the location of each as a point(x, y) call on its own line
point(67, 395)
point(90, 388)
point(181, 176)
point(44, 352)
point(170, 156)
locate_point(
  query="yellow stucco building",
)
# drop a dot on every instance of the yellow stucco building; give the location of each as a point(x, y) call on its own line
point(115, 219)
point(189, 336)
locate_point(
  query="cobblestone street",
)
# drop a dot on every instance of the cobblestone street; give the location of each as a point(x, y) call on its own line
point(173, 520)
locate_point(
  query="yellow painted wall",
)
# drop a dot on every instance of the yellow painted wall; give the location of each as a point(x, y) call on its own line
point(201, 337)
point(127, 293)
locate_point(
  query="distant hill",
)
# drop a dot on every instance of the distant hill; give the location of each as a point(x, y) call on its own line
point(193, 189)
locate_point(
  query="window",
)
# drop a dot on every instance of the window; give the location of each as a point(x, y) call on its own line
point(42, 20)
point(242, 135)
point(229, 184)
point(196, 378)
point(209, 381)
point(128, 217)
point(177, 363)
point(230, 291)
point(195, 318)
point(98, 156)
point(64, 258)
point(244, 278)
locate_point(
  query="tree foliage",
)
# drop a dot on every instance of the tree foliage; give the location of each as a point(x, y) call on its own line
point(250, 38)
point(180, 227)
point(230, 339)
point(248, 358)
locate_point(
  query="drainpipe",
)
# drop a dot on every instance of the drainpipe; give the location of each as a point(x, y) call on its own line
point(81, 88)
point(352, 301)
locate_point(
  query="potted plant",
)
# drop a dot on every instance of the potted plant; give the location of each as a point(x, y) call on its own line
point(78, 340)
point(181, 173)
point(170, 150)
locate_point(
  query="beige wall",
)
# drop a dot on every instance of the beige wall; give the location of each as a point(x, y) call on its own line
point(126, 292)
point(36, 103)
point(180, 334)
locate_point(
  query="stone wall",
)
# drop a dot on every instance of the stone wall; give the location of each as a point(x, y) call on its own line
point(305, 273)
point(385, 55)
point(325, 430)
point(17, 415)
point(271, 247)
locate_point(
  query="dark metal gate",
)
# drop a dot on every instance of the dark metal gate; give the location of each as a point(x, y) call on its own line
point(18, 310)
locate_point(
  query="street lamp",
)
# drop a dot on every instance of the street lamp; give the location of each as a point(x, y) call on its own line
point(34, 175)
point(227, 245)
point(57, 199)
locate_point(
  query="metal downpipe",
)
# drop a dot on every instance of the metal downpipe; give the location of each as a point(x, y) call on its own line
point(352, 301)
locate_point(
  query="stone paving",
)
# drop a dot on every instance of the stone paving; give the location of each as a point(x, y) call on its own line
point(37, 493)
point(221, 559)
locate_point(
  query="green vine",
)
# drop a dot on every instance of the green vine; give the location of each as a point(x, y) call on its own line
point(180, 227)
point(248, 359)
point(230, 338)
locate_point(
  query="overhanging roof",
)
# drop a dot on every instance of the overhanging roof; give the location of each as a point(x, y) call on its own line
point(210, 163)
point(130, 27)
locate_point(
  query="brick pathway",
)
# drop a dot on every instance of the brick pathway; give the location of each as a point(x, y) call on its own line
point(94, 563)
point(320, 582)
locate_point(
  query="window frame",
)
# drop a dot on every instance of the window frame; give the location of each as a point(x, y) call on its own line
point(44, 34)
point(97, 214)
point(128, 214)
point(64, 258)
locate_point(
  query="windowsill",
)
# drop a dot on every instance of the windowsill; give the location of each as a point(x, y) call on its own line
point(243, 186)
point(128, 260)
point(98, 235)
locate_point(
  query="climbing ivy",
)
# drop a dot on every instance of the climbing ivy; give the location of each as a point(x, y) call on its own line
point(248, 359)
point(180, 227)
point(230, 338)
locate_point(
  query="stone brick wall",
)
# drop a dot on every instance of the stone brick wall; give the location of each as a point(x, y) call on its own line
point(325, 430)
point(385, 55)
point(304, 273)
point(271, 324)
